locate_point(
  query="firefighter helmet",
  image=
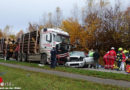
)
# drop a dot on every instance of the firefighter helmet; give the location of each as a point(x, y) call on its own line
point(120, 49)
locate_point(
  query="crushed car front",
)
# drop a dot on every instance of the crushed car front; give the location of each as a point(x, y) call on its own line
point(76, 59)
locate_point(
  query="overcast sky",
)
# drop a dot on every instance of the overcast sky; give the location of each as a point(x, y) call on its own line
point(18, 13)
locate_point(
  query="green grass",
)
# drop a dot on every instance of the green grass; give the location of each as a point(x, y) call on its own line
point(100, 74)
point(28, 80)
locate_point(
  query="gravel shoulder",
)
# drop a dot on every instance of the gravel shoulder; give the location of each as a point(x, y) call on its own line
point(119, 83)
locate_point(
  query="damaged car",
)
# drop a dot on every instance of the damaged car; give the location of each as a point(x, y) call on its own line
point(78, 59)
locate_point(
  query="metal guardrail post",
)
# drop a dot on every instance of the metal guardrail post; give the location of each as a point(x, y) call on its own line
point(36, 42)
point(22, 43)
point(29, 44)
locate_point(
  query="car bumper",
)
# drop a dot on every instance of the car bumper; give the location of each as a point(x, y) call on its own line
point(75, 64)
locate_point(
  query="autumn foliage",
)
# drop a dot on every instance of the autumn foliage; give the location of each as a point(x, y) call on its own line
point(95, 27)
point(101, 30)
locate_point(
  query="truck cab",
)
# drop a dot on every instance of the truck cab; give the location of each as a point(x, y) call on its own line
point(50, 38)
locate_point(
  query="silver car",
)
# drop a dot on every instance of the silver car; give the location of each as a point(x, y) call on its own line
point(78, 59)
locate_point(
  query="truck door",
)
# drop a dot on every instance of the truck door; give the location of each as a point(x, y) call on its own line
point(46, 41)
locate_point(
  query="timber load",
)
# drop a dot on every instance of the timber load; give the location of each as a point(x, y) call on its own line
point(2, 45)
point(7, 45)
point(29, 42)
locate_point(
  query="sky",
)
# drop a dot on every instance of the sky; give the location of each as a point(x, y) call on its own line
point(18, 13)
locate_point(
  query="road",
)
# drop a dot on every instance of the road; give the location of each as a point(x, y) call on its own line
point(119, 83)
point(106, 70)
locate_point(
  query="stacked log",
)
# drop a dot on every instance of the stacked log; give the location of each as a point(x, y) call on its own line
point(2, 41)
point(29, 42)
point(7, 45)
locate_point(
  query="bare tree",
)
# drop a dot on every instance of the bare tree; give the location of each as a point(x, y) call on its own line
point(75, 12)
point(7, 31)
point(58, 17)
point(49, 23)
point(44, 19)
point(1, 34)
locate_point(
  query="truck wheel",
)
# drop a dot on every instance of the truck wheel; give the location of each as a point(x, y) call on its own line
point(19, 57)
point(43, 59)
point(24, 57)
point(5, 58)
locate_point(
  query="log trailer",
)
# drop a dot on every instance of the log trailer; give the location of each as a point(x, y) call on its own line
point(36, 45)
point(7, 46)
point(2, 47)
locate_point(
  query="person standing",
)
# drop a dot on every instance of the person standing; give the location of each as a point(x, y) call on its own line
point(126, 52)
point(112, 57)
point(96, 57)
point(53, 57)
point(106, 60)
point(121, 58)
point(90, 53)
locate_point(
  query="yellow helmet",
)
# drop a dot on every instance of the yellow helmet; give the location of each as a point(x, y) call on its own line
point(120, 49)
point(127, 51)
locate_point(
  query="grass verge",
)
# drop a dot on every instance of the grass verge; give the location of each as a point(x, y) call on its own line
point(106, 75)
point(29, 80)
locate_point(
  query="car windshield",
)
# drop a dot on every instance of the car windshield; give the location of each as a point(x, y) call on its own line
point(61, 38)
point(77, 53)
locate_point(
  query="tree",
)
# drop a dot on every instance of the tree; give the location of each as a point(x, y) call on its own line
point(58, 17)
point(1, 34)
point(49, 23)
point(92, 25)
point(75, 12)
point(12, 37)
point(19, 34)
point(33, 27)
point(6, 31)
point(76, 32)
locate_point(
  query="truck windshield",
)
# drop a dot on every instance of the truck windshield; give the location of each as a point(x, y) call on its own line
point(61, 38)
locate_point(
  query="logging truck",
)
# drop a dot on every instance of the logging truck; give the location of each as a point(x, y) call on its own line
point(7, 48)
point(36, 45)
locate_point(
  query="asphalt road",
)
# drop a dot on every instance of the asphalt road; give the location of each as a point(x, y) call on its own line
point(106, 70)
point(119, 83)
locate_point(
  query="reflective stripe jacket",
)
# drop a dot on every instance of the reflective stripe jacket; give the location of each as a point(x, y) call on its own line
point(121, 57)
point(106, 56)
point(112, 54)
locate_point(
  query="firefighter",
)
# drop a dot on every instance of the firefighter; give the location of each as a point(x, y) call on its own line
point(121, 58)
point(126, 52)
point(112, 57)
point(106, 60)
point(53, 57)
